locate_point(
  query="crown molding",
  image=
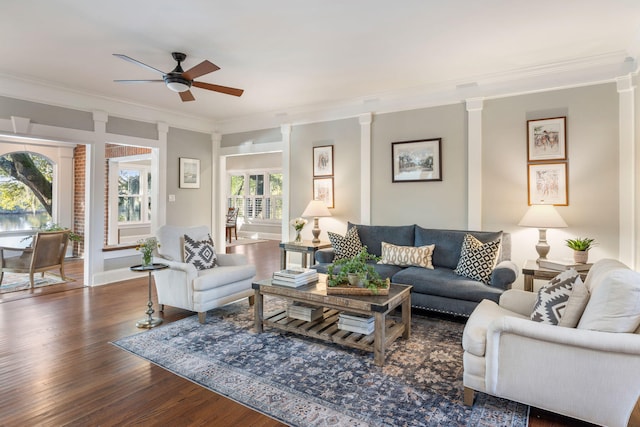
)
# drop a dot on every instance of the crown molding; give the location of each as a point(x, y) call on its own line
point(46, 93)
point(564, 74)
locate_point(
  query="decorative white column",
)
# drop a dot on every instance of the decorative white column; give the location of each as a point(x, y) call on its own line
point(95, 186)
point(286, 173)
point(474, 163)
point(365, 167)
point(159, 163)
point(627, 175)
point(218, 195)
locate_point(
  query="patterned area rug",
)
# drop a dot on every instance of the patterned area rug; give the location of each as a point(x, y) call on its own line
point(304, 382)
point(19, 282)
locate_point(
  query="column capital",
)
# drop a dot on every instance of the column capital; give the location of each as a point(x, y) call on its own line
point(475, 104)
point(162, 127)
point(624, 83)
point(100, 116)
point(285, 129)
point(365, 119)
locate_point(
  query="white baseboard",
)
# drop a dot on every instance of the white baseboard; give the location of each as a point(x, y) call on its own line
point(112, 276)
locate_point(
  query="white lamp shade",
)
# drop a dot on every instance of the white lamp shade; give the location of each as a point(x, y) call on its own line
point(316, 208)
point(542, 216)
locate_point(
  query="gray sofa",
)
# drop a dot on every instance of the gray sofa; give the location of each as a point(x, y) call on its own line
point(439, 289)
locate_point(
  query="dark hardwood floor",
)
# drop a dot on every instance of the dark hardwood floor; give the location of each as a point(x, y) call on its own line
point(57, 366)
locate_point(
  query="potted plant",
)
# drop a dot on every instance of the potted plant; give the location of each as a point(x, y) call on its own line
point(55, 227)
point(356, 272)
point(581, 248)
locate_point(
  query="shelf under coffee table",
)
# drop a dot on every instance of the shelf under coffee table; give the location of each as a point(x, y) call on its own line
point(326, 328)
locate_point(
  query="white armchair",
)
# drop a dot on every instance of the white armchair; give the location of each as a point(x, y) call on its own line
point(183, 286)
point(582, 372)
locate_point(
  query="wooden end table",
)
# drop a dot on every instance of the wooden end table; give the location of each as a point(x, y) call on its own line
point(306, 247)
point(532, 270)
point(326, 328)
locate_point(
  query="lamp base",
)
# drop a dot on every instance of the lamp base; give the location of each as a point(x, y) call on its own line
point(315, 231)
point(542, 247)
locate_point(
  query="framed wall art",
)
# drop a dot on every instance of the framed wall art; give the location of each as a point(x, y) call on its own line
point(189, 173)
point(419, 160)
point(548, 184)
point(323, 190)
point(547, 139)
point(323, 160)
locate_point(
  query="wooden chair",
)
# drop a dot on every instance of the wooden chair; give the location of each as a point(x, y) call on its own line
point(46, 253)
point(231, 223)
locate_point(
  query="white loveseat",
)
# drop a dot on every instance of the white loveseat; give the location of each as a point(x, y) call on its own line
point(589, 372)
point(183, 286)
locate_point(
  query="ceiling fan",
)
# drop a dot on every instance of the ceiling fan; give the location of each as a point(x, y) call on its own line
point(181, 81)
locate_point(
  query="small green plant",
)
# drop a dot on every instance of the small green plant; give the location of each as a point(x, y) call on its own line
point(356, 265)
point(581, 244)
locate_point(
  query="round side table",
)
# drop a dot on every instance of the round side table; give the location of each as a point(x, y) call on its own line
point(149, 322)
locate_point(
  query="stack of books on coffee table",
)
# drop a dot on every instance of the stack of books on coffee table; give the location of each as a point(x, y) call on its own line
point(305, 312)
point(355, 323)
point(294, 277)
point(563, 264)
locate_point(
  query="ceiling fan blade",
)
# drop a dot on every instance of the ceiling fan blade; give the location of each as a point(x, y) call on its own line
point(187, 96)
point(135, 61)
point(217, 88)
point(139, 81)
point(205, 67)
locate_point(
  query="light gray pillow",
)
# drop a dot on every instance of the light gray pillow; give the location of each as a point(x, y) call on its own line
point(614, 305)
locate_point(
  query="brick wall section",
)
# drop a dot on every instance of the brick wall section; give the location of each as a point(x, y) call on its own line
point(79, 168)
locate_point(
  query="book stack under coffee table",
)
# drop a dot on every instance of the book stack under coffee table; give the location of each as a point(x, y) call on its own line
point(311, 312)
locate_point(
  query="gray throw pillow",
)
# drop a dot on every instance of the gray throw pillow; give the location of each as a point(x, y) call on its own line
point(200, 253)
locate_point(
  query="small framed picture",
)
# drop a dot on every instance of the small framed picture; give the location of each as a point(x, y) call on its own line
point(548, 184)
point(323, 160)
point(419, 160)
point(189, 173)
point(323, 190)
point(547, 139)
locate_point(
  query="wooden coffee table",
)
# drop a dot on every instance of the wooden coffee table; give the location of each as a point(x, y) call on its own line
point(325, 328)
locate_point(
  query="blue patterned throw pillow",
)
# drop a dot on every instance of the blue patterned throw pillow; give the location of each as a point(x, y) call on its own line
point(200, 253)
point(346, 246)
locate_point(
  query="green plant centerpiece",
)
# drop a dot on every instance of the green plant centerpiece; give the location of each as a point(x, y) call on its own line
point(581, 248)
point(356, 272)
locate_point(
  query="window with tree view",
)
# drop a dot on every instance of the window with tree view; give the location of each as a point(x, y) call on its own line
point(26, 189)
point(257, 195)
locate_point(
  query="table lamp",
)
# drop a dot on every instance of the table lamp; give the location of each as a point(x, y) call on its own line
point(542, 217)
point(316, 209)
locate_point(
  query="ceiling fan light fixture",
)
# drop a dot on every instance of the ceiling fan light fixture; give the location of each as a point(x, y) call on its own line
point(177, 83)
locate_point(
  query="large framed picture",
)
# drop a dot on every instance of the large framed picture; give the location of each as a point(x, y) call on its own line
point(419, 160)
point(323, 160)
point(323, 190)
point(548, 184)
point(189, 173)
point(547, 139)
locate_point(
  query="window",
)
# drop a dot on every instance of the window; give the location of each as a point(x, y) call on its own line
point(261, 199)
point(25, 208)
point(134, 201)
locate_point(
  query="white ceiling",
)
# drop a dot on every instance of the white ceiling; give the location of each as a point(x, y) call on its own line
point(291, 55)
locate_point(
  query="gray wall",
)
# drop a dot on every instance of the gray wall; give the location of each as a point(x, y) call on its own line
point(44, 114)
point(344, 135)
point(192, 205)
point(592, 152)
point(436, 204)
